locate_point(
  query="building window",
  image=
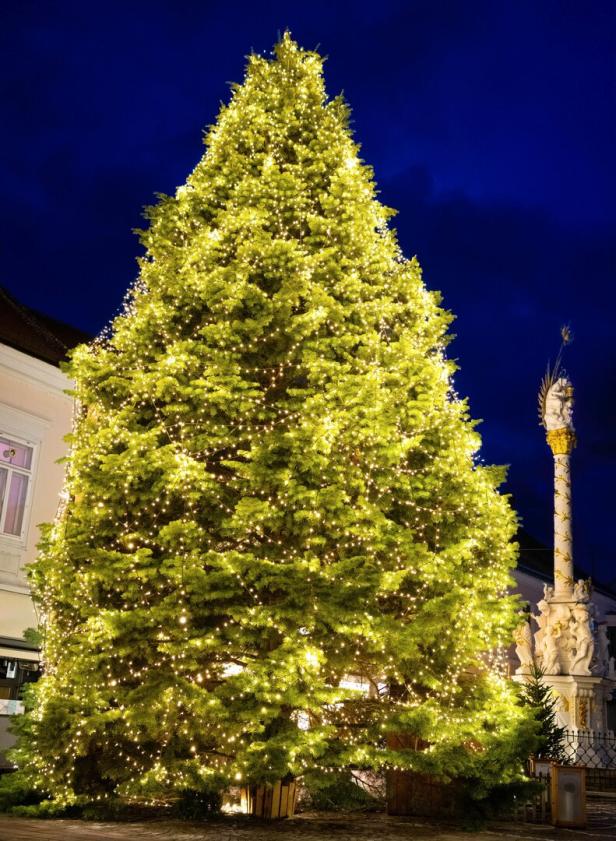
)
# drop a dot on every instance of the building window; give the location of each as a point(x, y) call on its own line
point(16, 465)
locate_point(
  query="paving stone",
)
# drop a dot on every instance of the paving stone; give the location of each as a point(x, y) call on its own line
point(311, 827)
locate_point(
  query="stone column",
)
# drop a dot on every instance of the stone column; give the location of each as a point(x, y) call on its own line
point(570, 645)
point(561, 442)
point(557, 417)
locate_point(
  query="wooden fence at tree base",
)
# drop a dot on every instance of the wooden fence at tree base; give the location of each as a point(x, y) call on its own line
point(270, 800)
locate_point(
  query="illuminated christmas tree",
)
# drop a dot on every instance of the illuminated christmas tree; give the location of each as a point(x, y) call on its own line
point(272, 493)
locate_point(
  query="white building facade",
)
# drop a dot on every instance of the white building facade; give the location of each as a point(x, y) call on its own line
point(35, 417)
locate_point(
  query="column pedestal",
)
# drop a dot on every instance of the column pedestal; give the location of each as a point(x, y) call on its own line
point(571, 648)
point(581, 701)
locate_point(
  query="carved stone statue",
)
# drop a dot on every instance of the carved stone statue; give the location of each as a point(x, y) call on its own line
point(582, 642)
point(543, 621)
point(558, 412)
point(524, 647)
point(603, 653)
point(548, 592)
point(543, 617)
point(550, 661)
point(582, 590)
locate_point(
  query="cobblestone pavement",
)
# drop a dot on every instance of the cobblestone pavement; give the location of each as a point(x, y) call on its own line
point(311, 827)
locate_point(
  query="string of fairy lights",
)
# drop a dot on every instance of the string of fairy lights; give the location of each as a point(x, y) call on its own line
point(272, 494)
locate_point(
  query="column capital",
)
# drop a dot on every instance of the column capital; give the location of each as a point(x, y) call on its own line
point(561, 441)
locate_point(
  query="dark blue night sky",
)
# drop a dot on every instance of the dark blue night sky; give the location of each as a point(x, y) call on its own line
point(490, 125)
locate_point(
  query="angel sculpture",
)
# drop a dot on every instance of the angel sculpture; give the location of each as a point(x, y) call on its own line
point(524, 647)
point(548, 592)
point(550, 660)
point(581, 591)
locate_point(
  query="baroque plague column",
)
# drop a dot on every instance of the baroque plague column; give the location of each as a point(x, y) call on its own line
point(570, 645)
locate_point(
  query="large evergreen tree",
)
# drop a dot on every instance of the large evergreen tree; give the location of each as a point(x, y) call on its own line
point(272, 485)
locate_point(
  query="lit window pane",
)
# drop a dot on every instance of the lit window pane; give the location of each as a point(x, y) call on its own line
point(16, 504)
point(14, 453)
point(3, 476)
